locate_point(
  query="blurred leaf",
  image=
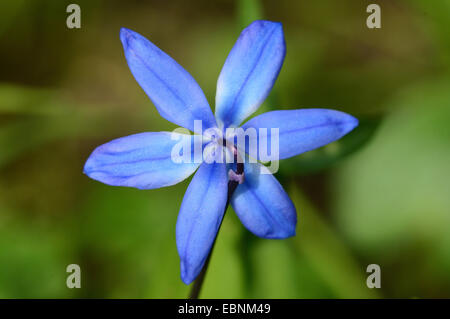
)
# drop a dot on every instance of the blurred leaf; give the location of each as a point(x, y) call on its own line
point(327, 254)
point(276, 271)
point(246, 266)
point(27, 134)
point(314, 263)
point(273, 269)
point(20, 136)
point(129, 235)
point(397, 188)
point(41, 116)
point(392, 199)
point(33, 261)
point(26, 100)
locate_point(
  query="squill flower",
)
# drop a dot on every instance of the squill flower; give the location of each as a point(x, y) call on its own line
point(144, 160)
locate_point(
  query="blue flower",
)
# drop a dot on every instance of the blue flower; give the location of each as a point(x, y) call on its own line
point(144, 160)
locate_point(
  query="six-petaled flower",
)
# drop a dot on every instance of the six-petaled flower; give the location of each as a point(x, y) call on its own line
point(144, 160)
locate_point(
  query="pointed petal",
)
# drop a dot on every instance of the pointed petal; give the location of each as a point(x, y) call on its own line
point(176, 95)
point(301, 130)
point(262, 205)
point(200, 217)
point(144, 160)
point(249, 72)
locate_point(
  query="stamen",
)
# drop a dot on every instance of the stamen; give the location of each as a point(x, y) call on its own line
point(233, 176)
point(238, 175)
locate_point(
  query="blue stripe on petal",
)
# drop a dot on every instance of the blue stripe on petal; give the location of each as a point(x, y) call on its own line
point(302, 130)
point(142, 160)
point(176, 95)
point(249, 72)
point(200, 216)
point(262, 205)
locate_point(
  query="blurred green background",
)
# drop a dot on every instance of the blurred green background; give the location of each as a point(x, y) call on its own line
point(380, 195)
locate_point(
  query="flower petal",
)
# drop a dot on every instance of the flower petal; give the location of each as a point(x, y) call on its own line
point(301, 130)
point(144, 160)
point(176, 95)
point(262, 204)
point(200, 216)
point(249, 72)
